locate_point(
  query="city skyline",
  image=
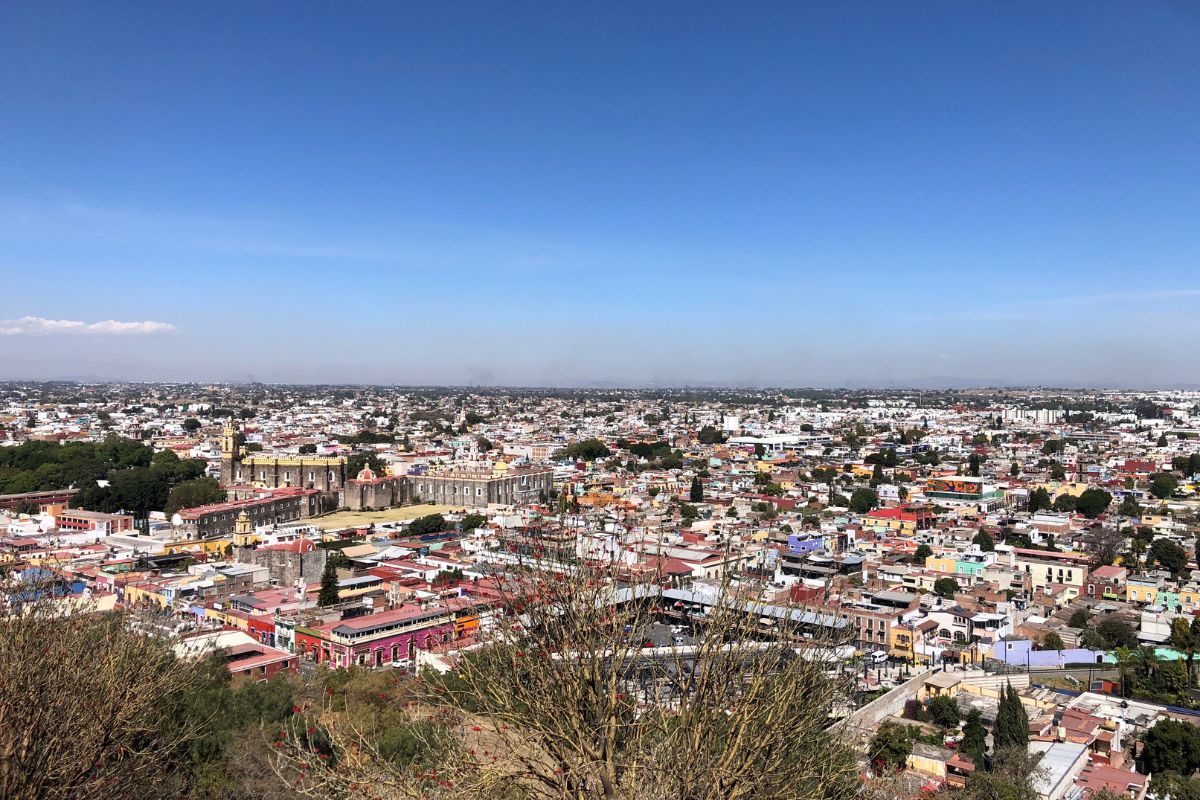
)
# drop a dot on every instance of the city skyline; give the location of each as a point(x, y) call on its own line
point(636, 196)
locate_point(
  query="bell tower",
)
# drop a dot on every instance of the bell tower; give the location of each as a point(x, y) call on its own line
point(229, 453)
point(243, 531)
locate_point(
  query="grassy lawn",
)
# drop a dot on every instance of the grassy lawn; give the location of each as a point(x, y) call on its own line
point(352, 519)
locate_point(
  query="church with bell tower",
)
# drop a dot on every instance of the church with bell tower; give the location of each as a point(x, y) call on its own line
point(277, 470)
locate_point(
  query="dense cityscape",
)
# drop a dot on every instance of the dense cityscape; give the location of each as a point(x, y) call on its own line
point(972, 568)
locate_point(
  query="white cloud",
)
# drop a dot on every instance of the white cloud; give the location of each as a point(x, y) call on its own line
point(40, 326)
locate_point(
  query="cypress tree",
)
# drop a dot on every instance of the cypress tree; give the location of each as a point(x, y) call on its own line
point(974, 741)
point(696, 493)
point(1012, 723)
point(328, 595)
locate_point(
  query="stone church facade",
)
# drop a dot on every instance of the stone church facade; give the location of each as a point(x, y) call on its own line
point(275, 470)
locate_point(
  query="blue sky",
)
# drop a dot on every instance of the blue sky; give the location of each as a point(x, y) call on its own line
point(566, 193)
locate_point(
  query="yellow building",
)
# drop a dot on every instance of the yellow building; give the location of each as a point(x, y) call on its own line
point(1189, 598)
point(144, 594)
point(210, 546)
point(243, 531)
point(947, 565)
point(1138, 592)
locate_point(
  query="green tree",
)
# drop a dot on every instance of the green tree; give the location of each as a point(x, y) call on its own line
point(974, 741)
point(1116, 632)
point(328, 595)
point(191, 425)
point(973, 463)
point(1066, 502)
point(356, 462)
point(696, 492)
point(1039, 500)
point(472, 521)
point(710, 435)
point(196, 492)
point(945, 587)
point(1093, 502)
point(1163, 485)
point(923, 552)
point(1168, 554)
point(890, 748)
point(984, 541)
point(430, 523)
point(308, 449)
point(1129, 507)
point(1012, 723)
point(863, 500)
point(1185, 637)
point(1052, 641)
point(943, 710)
point(588, 450)
point(1011, 777)
point(1172, 746)
point(1079, 618)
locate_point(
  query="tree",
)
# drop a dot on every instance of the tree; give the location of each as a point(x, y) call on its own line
point(1129, 507)
point(1011, 777)
point(688, 511)
point(588, 450)
point(1093, 502)
point(923, 552)
point(191, 425)
point(1104, 543)
point(483, 444)
point(1168, 554)
point(984, 541)
point(356, 462)
point(1039, 500)
point(890, 747)
point(115, 723)
point(472, 521)
point(1066, 502)
point(696, 492)
point(943, 710)
point(328, 596)
point(1079, 618)
point(973, 463)
point(974, 740)
point(1012, 723)
point(1052, 641)
point(710, 435)
point(571, 706)
point(863, 500)
point(1163, 485)
point(196, 492)
point(1014, 469)
point(308, 449)
point(945, 587)
point(1116, 632)
point(430, 523)
point(1185, 637)
point(1057, 471)
point(1172, 746)
point(1092, 640)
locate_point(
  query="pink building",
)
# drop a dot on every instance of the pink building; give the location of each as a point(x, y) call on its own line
point(376, 639)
